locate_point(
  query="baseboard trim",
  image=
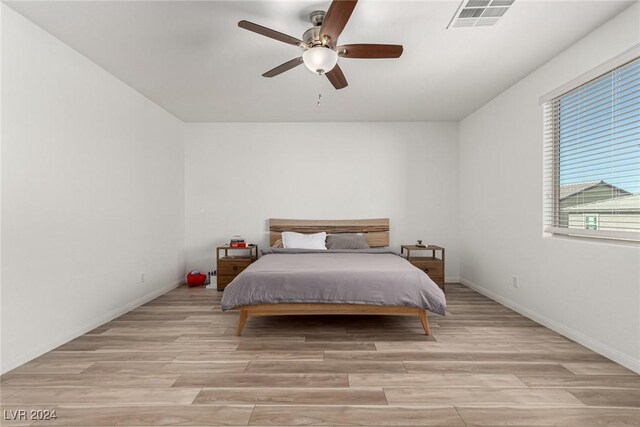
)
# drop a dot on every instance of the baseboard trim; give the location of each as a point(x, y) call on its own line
point(580, 338)
point(8, 366)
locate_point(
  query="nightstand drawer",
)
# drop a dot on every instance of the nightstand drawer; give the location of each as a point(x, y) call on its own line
point(439, 280)
point(223, 281)
point(232, 261)
point(432, 268)
point(232, 267)
point(432, 265)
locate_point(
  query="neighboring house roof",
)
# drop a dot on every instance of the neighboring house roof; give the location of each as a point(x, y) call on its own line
point(626, 203)
point(568, 190)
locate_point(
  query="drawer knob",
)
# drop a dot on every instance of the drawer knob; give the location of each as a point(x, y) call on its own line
point(426, 270)
point(235, 267)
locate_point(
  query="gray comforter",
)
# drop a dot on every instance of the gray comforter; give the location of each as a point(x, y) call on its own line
point(332, 276)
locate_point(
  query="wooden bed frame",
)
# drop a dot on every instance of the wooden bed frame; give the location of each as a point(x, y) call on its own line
point(376, 231)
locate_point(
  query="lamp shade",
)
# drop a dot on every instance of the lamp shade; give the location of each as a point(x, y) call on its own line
point(320, 59)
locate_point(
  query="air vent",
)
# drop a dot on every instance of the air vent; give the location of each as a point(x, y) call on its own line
point(479, 13)
point(477, 3)
point(471, 12)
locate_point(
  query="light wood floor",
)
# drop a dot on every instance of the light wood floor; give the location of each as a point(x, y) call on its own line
point(176, 361)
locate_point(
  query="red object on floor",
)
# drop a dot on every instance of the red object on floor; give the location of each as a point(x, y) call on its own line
point(194, 280)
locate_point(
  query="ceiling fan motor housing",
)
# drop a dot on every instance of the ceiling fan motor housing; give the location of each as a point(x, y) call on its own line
point(317, 17)
point(312, 36)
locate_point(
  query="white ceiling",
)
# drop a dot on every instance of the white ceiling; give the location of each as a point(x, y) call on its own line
point(193, 60)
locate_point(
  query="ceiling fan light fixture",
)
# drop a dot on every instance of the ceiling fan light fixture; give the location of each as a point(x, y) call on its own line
point(320, 59)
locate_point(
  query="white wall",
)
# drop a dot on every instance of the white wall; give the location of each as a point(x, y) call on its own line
point(92, 194)
point(590, 291)
point(240, 175)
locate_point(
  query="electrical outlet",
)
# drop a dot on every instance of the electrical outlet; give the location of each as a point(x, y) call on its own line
point(514, 281)
point(141, 277)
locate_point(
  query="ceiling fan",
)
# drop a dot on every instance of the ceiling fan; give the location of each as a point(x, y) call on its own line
point(321, 51)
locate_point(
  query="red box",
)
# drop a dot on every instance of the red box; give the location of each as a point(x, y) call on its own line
point(238, 244)
point(196, 279)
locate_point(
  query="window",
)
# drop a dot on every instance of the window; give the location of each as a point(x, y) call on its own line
point(591, 222)
point(592, 157)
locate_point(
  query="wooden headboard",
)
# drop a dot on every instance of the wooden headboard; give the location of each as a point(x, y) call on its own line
point(376, 231)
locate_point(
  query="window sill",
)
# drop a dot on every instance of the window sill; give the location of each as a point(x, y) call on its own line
point(630, 238)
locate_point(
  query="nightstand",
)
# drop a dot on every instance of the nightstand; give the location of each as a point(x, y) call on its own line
point(232, 261)
point(432, 265)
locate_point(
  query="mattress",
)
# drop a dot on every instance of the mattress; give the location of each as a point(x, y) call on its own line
point(372, 277)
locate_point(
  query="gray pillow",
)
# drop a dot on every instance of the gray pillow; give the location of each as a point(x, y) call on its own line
point(346, 241)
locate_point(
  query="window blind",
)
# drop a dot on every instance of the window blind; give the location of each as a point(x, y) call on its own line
point(592, 157)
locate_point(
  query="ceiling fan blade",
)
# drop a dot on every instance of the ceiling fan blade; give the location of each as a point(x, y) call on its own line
point(337, 79)
point(370, 51)
point(335, 20)
point(283, 67)
point(268, 32)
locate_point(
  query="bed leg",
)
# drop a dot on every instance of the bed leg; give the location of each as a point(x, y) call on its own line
point(423, 320)
point(244, 314)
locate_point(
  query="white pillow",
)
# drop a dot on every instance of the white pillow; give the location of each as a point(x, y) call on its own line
point(291, 239)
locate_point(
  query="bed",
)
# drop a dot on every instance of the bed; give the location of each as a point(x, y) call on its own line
point(318, 282)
